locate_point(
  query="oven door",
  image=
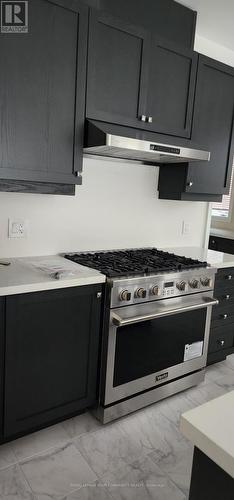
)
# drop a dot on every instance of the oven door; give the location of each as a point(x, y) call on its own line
point(154, 343)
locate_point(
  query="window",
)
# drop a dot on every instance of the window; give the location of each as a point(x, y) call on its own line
point(223, 210)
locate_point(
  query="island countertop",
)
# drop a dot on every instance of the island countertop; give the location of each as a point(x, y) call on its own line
point(34, 274)
point(210, 428)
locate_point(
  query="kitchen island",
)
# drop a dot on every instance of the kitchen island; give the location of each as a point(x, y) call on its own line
point(210, 428)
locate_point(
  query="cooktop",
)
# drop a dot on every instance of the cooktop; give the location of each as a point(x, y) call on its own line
point(132, 262)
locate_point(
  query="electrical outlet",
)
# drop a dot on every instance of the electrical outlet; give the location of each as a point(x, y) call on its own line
point(185, 228)
point(17, 228)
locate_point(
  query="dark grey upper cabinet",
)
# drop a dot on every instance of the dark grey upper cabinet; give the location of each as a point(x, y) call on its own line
point(213, 130)
point(166, 18)
point(171, 85)
point(213, 126)
point(117, 70)
point(42, 94)
point(132, 75)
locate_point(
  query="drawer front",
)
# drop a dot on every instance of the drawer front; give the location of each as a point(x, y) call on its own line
point(222, 315)
point(224, 279)
point(225, 297)
point(221, 339)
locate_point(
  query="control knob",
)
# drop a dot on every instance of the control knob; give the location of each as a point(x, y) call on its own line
point(206, 281)
point(140, 293)
point(154, 290)
point(181, 285)
point(125, 295)
point(194, 283)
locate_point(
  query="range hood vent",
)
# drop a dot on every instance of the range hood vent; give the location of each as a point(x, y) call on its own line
point(103, 139)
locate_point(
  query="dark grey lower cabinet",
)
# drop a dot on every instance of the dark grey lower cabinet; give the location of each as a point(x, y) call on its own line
point(221, 342)
point(51, 361)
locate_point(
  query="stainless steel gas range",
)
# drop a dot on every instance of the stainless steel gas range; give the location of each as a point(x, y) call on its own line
point(157, 317)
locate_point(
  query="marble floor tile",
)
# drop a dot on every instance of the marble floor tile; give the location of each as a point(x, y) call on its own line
point(141, 480)
point(108, 448)
point(7, 456)
point(13, 485)
point(205, 392)
point(226, 382)
point(97, 492)
point(58, 472)
point(154, 432)
point(213, 372)
point(173, 407)
point(177, 466)
point(82, 424)
point(230, 361)
point(40, 441)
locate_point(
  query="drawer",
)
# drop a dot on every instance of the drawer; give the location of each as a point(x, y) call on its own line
point(225, 297)
point(222, 315)
point(224, 279)
point(221, 339)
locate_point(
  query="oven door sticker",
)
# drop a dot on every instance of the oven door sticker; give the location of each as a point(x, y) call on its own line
point(192, 351)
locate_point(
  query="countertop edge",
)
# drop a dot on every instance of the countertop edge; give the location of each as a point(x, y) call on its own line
point(51, 285)
point(207, 446)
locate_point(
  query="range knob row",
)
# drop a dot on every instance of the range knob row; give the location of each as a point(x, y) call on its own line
point(181, 285)
point(140, 293)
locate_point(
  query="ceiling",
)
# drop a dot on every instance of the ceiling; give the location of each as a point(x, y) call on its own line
point(215, 20)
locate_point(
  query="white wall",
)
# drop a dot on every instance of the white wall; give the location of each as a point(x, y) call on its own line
point(117, 206)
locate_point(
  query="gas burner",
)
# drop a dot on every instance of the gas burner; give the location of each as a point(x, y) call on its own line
point(134, 262)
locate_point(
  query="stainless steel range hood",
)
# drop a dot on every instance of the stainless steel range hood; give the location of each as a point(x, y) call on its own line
point(104, 139)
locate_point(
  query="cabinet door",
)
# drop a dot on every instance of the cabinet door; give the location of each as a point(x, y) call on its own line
point(52, 343)
point(171, 87)
point(42, 92)
point(213, 127)
point(117, 70)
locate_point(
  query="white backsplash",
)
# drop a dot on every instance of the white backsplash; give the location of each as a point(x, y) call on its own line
point(116, 207)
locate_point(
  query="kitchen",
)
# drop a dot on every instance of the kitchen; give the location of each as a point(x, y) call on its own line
point(118, 204)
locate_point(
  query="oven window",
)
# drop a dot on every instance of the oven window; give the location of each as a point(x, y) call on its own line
point(148, 347)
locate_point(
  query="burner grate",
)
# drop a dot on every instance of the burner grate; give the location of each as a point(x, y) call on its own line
point(134, 262)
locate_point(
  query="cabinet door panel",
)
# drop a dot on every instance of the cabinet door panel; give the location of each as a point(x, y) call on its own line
point(171, 87)
point(51, 356)
point(213, 127)
point(117, 71)
point(41, 82)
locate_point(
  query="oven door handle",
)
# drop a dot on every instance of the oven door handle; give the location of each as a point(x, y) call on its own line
point(118, 321)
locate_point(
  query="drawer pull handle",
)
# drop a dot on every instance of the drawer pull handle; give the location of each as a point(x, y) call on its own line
point(227, 297)
point(150, 119)
point(190, 184)
point(224, 316)
point(229, 277)
point(143, 118)
point(221, 342)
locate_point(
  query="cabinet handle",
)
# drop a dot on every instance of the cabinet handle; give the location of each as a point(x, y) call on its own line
point(221, 342)
point(229, 277)
point(224, 316)
point(227, 297)
point(150, 119)
point(143, 118)
point(189, 184)
point(99, 294)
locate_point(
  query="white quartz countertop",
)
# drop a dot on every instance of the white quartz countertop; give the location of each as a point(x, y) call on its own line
point(210, 427)
point(222, 233)
point(35, 274)
point(215, 259)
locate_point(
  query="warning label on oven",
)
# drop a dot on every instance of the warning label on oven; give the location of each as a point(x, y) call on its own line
point(192, 351)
